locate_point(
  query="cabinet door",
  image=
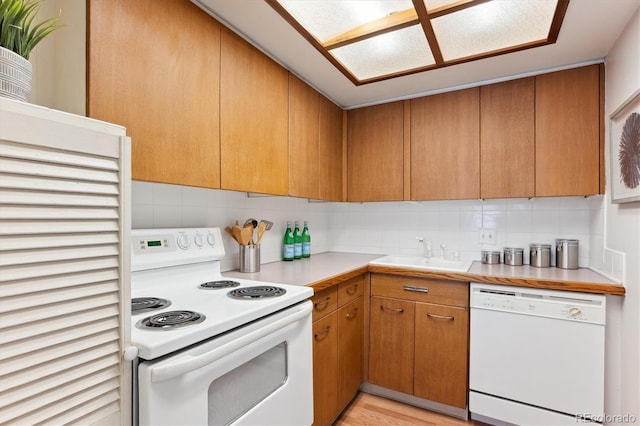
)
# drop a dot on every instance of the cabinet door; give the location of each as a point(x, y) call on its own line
point(304, 118)
point(254, 104)
point(445, 146)
point(375, 153)
point(442, 342)
point(325, 370)
point(350, 355)
point(568, 132)
point(331, 153)
point(391, 340)
point(145, 72)
point(507, 139)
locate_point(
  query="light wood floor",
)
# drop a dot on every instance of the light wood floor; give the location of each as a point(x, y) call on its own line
point(368, 409)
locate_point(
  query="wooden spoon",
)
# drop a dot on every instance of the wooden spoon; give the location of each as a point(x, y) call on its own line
point(237, 233)
point(230, 232)
point(261, 228)
point(250, 227)
point(246, 236)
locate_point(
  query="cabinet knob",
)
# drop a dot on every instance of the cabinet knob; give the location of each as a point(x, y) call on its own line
point(352, 314)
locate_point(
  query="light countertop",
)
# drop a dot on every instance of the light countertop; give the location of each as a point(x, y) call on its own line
point(319, 271)
point(326, 269)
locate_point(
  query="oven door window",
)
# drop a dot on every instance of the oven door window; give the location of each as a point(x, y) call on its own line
point(236, 392)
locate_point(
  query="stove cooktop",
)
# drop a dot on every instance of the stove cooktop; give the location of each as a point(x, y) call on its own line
point(181, 284)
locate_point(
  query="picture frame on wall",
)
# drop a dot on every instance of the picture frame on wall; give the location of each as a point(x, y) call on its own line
point(624, 127)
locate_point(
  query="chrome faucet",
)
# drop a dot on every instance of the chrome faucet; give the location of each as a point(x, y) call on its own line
point(426, 246)
point(442, 252)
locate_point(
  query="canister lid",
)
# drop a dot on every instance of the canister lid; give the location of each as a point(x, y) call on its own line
point(513, 249)
point(540, 246)
point(567, 242)
point(490, 252)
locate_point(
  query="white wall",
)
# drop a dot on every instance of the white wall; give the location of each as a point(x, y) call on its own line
point(621, 233)
point(59, 61)
point(385, 228)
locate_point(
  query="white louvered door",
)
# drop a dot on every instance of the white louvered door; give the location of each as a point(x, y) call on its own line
point(64, 268)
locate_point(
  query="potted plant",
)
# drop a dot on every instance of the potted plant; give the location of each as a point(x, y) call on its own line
point(18, 36)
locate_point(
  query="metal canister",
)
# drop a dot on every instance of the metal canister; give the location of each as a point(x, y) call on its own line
point(513, 256)
point(567, 253)
point(540, 255)
point(490, 257)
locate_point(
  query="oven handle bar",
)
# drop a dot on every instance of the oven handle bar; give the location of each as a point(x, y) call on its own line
point(192, 363)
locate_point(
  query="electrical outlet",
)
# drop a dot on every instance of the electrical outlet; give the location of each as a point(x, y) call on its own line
point(487, 236)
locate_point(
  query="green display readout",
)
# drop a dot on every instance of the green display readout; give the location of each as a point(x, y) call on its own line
point(154, 243)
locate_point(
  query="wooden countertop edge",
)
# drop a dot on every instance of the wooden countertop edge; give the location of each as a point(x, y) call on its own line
point(584, 287)
point(337, 279)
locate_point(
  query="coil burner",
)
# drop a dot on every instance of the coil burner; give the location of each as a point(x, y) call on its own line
point(257, 292)
point(170, 320)
point(216, 285)
point(140, 305)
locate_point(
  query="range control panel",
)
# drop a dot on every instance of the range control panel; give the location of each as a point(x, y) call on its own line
point(547, 303)
point(167, 247)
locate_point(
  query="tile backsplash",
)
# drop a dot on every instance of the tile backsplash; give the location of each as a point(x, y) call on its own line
point(385, 228)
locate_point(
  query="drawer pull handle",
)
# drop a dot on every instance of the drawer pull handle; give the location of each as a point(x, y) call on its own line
point(352, 290)
point(414, 288)
point(352, 314)
point(321, 335)
point(322, 305)
point(440, 317)
point(397, 310)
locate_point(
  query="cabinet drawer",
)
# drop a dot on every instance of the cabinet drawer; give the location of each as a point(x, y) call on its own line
point(350, 290)
point(454, 293)
point(324, 302)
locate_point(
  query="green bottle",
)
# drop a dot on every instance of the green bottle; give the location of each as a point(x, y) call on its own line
point(288, 243)
point(297, 242)
point(306, 240)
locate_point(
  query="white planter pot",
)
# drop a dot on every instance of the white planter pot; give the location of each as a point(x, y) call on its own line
point(15, 75)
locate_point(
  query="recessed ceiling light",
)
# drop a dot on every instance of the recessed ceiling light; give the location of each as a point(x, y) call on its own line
point(373, 40)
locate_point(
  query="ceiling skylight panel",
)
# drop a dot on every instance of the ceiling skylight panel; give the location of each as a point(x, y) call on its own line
point(325, 19)
point(493, 26)
point(437, 4)
point(389, 53)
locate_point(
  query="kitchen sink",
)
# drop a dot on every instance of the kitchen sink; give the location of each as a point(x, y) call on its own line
point(423, 263)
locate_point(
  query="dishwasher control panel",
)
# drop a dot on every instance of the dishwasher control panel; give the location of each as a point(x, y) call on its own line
point(547, 303)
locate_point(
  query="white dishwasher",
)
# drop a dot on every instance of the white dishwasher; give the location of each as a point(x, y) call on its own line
point(536, 356)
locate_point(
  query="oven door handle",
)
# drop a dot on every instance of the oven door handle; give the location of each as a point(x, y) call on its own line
point(186, 364)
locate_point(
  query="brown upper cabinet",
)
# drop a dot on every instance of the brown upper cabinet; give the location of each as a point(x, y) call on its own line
point(445, 146)
point(331, 151)
point(507, 139)
point(375, 153)
point(254, 103)
point(568, 122)
point(315, 144)
point(304, 121)
point(164, 87)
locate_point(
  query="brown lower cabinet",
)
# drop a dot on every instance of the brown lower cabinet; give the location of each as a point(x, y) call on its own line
point(419, 337)
point(440, 368)
point(338, 332)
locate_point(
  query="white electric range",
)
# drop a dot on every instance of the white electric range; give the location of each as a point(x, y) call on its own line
point(213, 350)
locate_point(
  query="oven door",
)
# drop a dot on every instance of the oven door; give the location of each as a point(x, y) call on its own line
point(260, 373)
